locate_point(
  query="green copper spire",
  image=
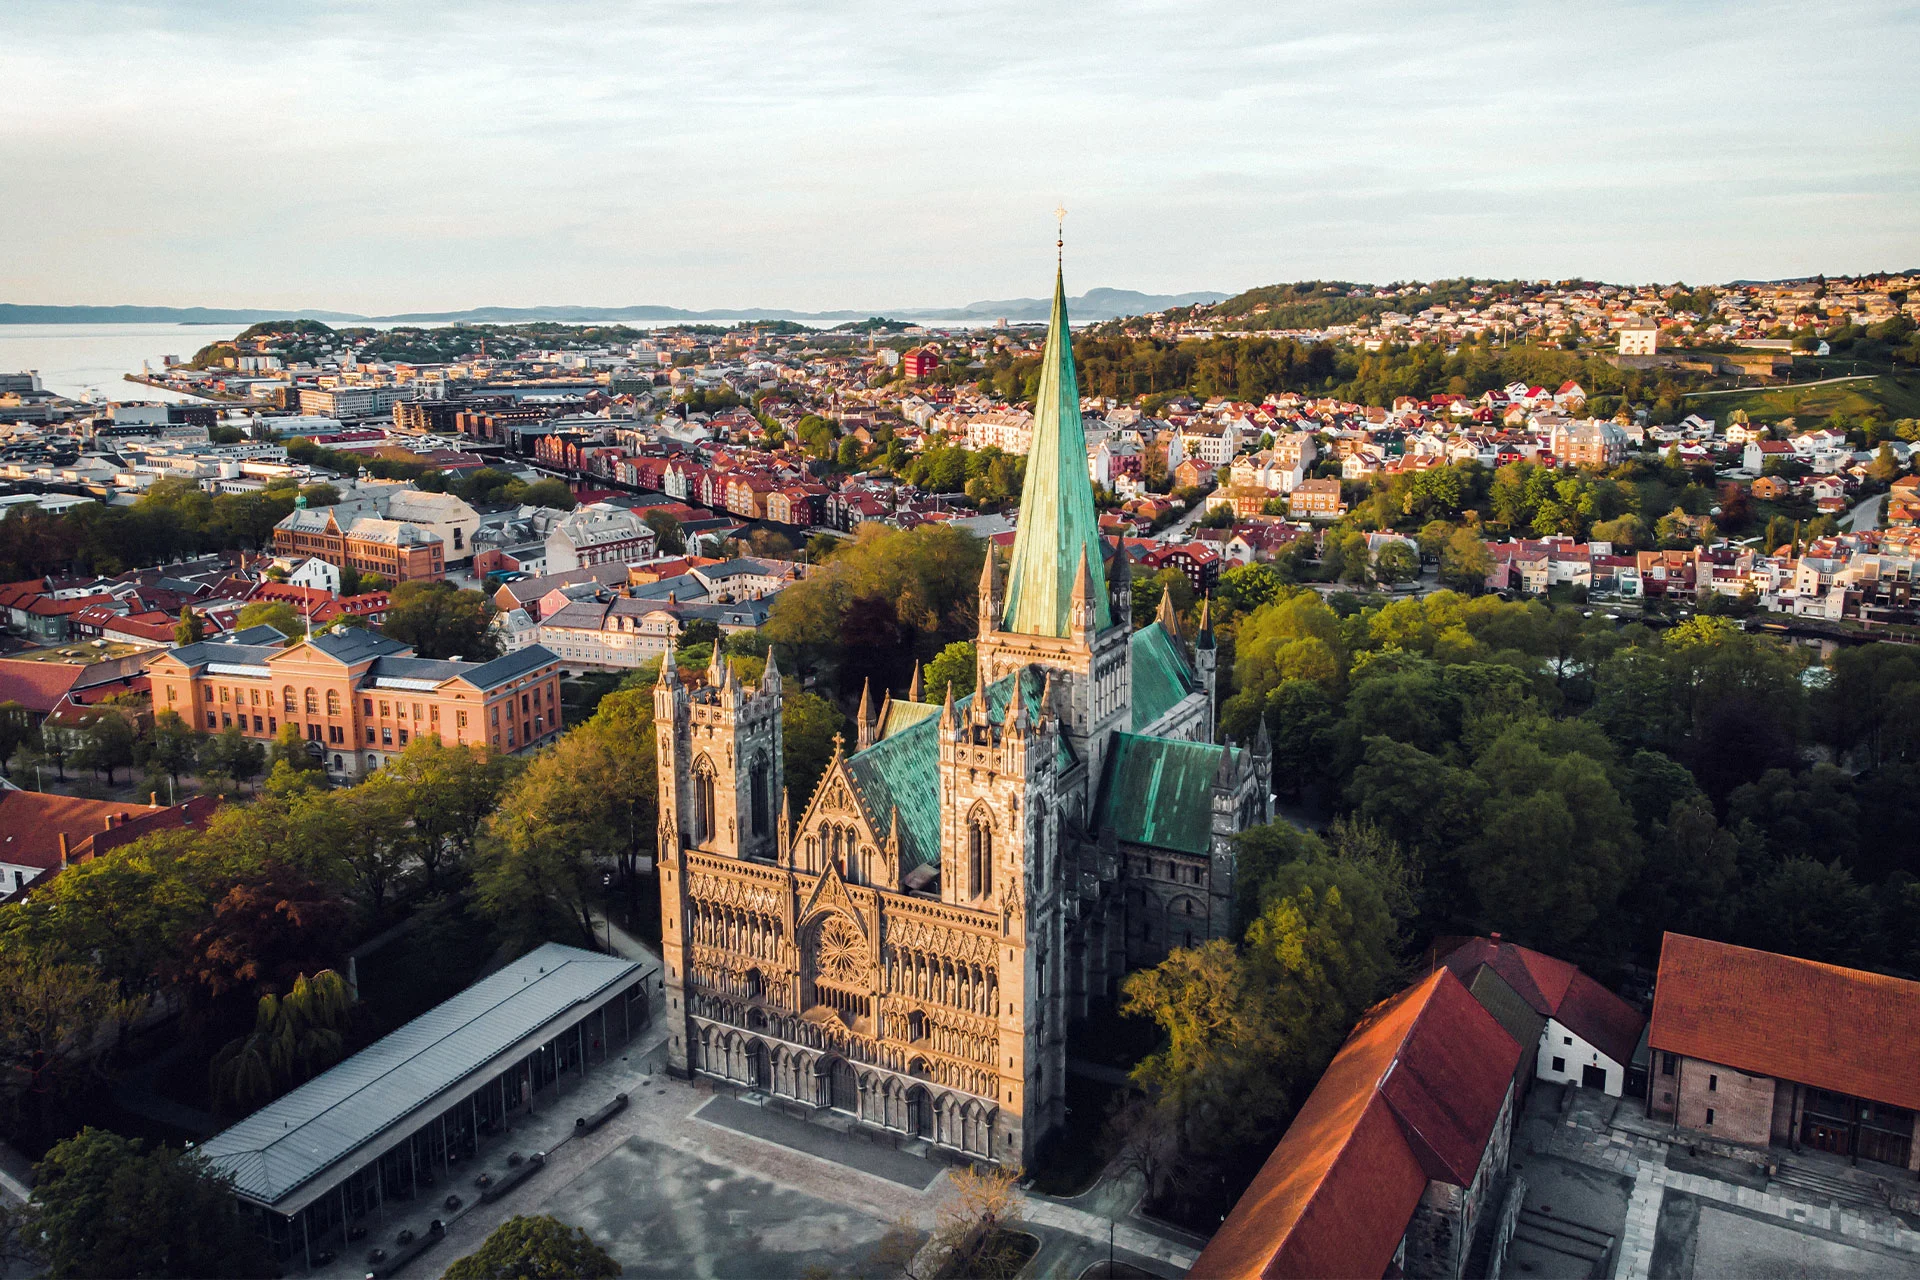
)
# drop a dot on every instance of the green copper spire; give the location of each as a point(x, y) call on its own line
point(1057, 520)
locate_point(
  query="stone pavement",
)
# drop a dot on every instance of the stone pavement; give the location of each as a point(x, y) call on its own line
point(1589, 1133)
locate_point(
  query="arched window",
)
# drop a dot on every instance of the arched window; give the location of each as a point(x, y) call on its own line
point(313, 702)
point(703, 801)
point(287, 699)
point(980, 854)
point(333, 702)
point(760, 799)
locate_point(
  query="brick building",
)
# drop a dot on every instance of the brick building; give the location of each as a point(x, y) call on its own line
point(359, 697)
point(397, 550)
point(1754, 1048)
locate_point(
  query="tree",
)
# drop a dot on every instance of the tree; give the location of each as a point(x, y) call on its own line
point(1395, 563)
point(277, 614)
point(527, 1247)
point(231, 754)
point(549, 493)
point(293, 1037)
point(53, 1017)
point(264, 933)
point(701, 631)
point(808, 726)
point(191, 628)
point(440, 620)
point(448, 791)
point(18, 728)
point(290, 748)
point(1812, 910)
point(1466, 563)
point(974, 1221)
point(173, 746)
point(112, 1206)
point(107, 742)
point(955, 667)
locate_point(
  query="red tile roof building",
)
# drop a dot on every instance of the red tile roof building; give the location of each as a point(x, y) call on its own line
point(1591, 1033)
point(40, 833)
point(1389, 1161)
point(1751, 1047)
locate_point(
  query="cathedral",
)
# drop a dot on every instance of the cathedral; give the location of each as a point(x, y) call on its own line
point(909, 948)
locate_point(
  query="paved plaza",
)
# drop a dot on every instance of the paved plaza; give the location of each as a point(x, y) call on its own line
point(690, 1181)
point(1687, 1216)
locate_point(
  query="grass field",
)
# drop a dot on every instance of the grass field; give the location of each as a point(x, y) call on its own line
point(1888, 396)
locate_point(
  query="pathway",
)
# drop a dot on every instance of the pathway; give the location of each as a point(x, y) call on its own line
point(1786, 386)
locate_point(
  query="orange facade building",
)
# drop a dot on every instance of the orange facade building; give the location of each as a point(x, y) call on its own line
point(359, 698)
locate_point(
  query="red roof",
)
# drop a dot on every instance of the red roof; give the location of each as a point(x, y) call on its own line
point(37, 686)
point(1554, 989)
point(34, 822)
point(1413, 1096)
point(1767, 1014)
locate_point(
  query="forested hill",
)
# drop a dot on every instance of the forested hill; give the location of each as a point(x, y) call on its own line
point(1316, 304)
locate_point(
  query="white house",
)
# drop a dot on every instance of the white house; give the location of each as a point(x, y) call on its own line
point(1589, 1035)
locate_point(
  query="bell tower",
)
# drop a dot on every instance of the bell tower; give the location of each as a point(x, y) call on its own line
point(721, 784)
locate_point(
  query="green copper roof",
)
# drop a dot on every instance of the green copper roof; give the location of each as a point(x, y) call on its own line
point(903, 769)
point(1057, 520)
point(902, 714)
point(1159, 792)
point(1161, 676)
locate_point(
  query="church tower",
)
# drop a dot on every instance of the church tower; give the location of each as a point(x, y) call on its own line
point(722, 780)
point(1055, 609)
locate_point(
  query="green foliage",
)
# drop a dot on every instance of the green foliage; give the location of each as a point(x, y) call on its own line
point(883, 600)
point(808, 725)
point(271, 613)
point(955, 667)
point(443, 621)
point(549, 493)
point(51, 1017)
point(535, 1248)
point(113, 1206)
point(294, 1036)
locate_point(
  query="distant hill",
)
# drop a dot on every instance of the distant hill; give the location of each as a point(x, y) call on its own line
point(1095, 304)
point(16, 313)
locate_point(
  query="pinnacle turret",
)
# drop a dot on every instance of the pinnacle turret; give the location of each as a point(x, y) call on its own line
point(913, 690)
point(1169, 620)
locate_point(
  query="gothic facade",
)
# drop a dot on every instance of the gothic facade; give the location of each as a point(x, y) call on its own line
point(910, 947)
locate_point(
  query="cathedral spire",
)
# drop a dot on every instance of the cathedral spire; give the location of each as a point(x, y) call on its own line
point(1057, 520)
point(1169, 620)
point(1204, 640)
point(669, 672)
point(948, 720)
point(913, 690)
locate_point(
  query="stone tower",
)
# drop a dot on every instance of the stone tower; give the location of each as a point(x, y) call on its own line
point(722, 782)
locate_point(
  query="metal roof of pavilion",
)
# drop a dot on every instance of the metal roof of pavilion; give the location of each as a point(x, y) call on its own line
point(287, 1144)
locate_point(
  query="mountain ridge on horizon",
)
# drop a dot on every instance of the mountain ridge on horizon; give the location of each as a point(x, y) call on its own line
point(1101, 303)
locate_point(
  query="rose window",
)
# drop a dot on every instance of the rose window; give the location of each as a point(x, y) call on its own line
point(840, 952)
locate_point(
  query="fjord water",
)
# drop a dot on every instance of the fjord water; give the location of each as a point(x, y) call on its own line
point(75, 358)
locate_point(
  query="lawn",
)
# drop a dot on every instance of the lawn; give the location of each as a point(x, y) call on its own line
point(1888, 396)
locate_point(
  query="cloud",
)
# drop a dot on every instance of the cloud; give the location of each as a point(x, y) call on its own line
point(385, 157)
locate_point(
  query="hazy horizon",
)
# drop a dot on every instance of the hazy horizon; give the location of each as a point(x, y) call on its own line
point(390, 159)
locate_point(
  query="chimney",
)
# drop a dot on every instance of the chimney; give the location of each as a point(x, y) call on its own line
point(153, 799)
point(1494, 938)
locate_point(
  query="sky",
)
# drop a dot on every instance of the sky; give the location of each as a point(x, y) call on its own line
point(413, 155)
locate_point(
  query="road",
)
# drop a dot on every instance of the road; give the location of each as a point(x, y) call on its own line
point(1864, 516)
point(1785, 386)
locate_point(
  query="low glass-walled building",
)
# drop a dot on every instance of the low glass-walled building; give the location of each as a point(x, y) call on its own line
point(391, 1122)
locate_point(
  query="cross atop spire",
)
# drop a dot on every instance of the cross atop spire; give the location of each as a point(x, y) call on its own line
point(1060, 235)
